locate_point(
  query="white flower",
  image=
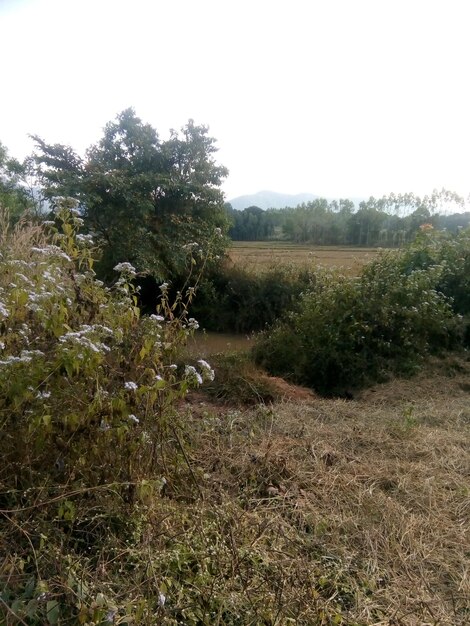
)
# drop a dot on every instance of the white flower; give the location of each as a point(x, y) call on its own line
point(26, 356)
point(157, 318)
point(125, 267)
point(85, 239)
point(207, 371)
point(161, 599)
point(51, 250)
point(193, 324)
point(43, 395)
point(133, 418)
point(192, 374)
point(4, 313)
point(130, 386)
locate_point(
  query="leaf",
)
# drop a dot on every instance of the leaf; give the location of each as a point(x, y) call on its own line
point(53, 612)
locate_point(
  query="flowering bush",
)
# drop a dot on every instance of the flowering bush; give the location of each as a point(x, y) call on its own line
point(84, 379)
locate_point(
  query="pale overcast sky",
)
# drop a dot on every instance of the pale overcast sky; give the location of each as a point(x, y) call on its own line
point(334, 97)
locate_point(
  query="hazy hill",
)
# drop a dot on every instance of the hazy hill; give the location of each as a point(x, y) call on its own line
point(271, 200)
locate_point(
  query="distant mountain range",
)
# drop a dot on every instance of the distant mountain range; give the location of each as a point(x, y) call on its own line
point(271, 200)
point(274, 200)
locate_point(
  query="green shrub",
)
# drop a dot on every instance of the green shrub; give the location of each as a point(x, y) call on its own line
point(452, 254)
point(234, 300)
point(350, 331)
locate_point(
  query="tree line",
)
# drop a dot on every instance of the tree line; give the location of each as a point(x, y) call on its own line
point(390, 221)
point(158, 204)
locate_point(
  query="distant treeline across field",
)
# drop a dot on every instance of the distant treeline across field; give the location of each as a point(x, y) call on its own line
point(390, 221)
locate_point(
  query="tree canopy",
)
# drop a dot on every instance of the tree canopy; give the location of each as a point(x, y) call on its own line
point(146, 199)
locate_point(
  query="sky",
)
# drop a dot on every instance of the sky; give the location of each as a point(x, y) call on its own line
point(341, 98)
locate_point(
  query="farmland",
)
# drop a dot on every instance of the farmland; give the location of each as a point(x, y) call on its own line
point(256, 256)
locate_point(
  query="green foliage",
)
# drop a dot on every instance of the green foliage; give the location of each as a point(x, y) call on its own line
point(351, 331)
point(145, 199)
point(235, 300)
point(451, 252)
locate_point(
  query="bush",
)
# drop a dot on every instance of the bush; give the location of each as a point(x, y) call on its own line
point(351, 331)
point(89, 429)
point(234, 300)
point(452, 254)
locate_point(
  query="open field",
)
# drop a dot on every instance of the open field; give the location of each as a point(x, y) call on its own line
point(205, 344)
point(259, 255)
point(346, 512)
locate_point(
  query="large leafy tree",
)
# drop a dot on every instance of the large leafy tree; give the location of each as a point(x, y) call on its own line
point(145, 198)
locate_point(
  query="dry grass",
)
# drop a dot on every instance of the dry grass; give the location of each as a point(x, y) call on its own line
point(21, 236)
point(307, 513)
point(258, 256)
point(361, 508)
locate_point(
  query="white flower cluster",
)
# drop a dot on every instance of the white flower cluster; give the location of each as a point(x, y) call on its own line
point(125, 268)
point(26, 356)
point(131, 386)
point(51, 250)
point(193, 324)
point(81, 338)
point(24, 279)
point(206, 370)
point(157, 318)
point(4, 313)
point(35, 300)
point(191, 374)
point(43, 395)
point(206, 373)
point(86, 240)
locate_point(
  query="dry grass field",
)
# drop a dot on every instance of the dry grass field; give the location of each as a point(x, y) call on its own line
point(348, 512)
point(259, 255)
